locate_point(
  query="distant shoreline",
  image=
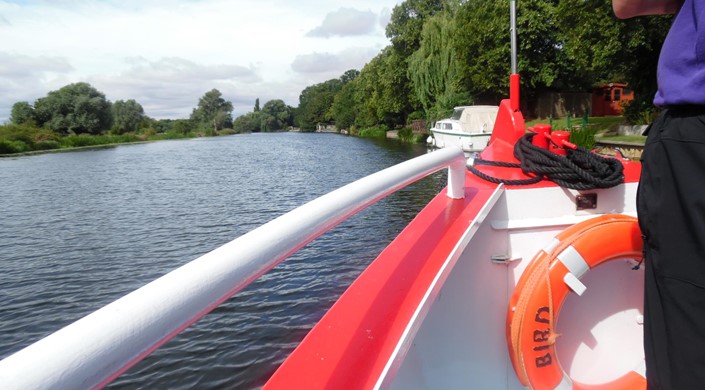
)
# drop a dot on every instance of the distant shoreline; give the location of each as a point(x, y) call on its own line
point(76, 148)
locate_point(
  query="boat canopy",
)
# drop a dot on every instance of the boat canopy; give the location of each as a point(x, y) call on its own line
point(476, 119)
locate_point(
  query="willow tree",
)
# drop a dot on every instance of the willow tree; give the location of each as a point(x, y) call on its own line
point(434, 68)
point(127, 116)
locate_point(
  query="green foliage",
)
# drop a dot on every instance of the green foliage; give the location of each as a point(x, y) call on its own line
point(127, 116)
point(256, 105)
point(598, 48)
point(11, 147)
point(47, 145)
point(415, 115)
point(373, 132)
point(407, 21)
point(213, 112)
point(383, 91)
point(76, 108)
point(344, 109)
point(182, 126)
point(22, 112)
point(26, 137)
point(83, 140)
point(434, 67)
point(250, 122)
point(228, 132)
point(640, 111)
point(277, 115)
point(584, 137)
point(482, 44)
point(345, 105)
point(349, 76)
point(405, 134)
point(315, 104)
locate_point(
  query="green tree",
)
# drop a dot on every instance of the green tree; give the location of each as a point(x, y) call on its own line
point(77, 108)
point(250, 122)
point(600, 48)
point(277, 115)
point(256, 104)
point(315, 102)
point(213, 111)
point(434, 68)
point(406, 23)
point(349, 76)
point(182, 126)
point(483, 44)
point(127, 116)
point(345, 105)
point(22, 112)
point(383, 91)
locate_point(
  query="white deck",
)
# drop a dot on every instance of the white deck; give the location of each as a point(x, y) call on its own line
point(601, 331)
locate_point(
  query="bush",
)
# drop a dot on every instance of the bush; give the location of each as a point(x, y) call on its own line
point(76, 141)
point(406, 135)
point(373, 132)
point(47, 145)
point(584, 137)
point(11, 147)
point(640, 111)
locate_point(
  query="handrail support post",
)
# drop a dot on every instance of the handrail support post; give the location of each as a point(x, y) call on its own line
point(456, 179)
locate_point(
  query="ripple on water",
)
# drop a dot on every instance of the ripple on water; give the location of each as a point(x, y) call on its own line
point(80, 230)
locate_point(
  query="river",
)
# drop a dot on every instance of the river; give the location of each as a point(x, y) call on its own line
point(81, 229)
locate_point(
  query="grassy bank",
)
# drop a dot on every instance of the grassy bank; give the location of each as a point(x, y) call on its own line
point(600, 124)
point(24, 139)
point(585, 132)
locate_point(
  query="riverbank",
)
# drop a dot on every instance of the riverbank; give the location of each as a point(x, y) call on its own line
point(24, 140)
point(75, 149)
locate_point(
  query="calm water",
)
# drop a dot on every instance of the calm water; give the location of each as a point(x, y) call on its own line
point(79, 230)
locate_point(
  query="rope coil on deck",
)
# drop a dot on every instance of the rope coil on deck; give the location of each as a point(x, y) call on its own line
point(580, 170)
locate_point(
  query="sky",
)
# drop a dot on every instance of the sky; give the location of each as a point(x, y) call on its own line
point(166, 54)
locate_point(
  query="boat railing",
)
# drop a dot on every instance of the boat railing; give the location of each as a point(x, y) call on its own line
point(94, 350)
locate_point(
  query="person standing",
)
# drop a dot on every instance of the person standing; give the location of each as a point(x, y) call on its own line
point(671, 201)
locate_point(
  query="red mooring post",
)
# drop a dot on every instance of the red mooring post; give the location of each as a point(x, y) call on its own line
point(559, 141)
point(543, 132)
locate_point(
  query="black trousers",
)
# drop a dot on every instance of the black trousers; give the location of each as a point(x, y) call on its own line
point(671, 210)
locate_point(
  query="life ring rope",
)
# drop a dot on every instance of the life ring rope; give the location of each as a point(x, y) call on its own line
point(554, 272)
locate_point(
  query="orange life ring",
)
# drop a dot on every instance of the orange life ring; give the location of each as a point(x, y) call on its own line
point(573, 252)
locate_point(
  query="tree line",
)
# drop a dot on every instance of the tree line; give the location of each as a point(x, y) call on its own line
point(443, 53)
point(79, 108)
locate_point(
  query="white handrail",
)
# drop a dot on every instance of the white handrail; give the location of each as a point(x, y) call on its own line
point(97, 348)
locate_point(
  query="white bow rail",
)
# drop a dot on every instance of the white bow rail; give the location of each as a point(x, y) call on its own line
point(94, 350)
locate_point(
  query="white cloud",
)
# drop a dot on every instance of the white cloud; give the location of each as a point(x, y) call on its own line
point(167, 54)
point(345, 22)
point(328, 63)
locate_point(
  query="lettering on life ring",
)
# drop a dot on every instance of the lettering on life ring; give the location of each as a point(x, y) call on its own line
point(552, 274)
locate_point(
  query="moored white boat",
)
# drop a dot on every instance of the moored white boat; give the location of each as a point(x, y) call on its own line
point(469, 128)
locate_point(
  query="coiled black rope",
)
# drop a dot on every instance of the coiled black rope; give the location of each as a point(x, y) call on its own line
point(579, 170)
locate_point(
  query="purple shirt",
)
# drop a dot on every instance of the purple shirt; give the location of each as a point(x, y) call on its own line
point(681, 65)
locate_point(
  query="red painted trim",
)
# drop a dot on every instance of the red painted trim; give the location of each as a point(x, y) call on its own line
point(514, 88)
point(353, 342)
